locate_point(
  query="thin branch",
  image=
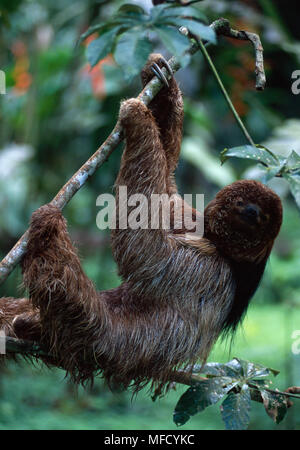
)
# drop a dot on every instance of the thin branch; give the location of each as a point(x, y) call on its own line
point(223, 28)
point(34, 349)
point(13, 345)
point(186, 378)
point(289, 392)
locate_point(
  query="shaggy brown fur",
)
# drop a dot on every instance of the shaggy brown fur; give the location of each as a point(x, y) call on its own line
point(179, 292)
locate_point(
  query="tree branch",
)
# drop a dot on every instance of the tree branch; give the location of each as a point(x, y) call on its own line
point(34, 349)
point(13, 345)
point(223, 29)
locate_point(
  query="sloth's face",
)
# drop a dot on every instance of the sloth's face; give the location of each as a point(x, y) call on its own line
point(244, 219)
point(248, 216)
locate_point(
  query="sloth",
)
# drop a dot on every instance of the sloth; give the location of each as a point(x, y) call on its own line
point(179, 291)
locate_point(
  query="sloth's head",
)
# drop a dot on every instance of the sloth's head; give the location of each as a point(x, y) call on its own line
point(243, 220)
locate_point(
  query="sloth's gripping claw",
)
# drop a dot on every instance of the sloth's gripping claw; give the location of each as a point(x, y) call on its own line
point(158, 72)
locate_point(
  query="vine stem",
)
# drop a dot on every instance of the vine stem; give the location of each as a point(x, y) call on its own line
point(222, 87)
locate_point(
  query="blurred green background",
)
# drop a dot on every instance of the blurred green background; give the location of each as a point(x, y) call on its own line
point(56, 113)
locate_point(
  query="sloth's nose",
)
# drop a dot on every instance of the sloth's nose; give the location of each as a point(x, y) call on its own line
point(251, 213)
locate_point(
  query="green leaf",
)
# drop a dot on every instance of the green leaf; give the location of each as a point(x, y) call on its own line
point(270, 172)
point(101, 46)
point(293, 161)
point(175, 42)
point(130, 9)
point(91, 30)
point(184, 11)
point(237, 368)
point(132, 51)
point(258, 154)
point(275, 405)
point(199, 29)
point(254, 370)
point(235, 409)
point(157, 12)
point(234, 367)
point(294, 184)
point(213, 369)
point(231, 369)
point(131, 15)
point(199, 396)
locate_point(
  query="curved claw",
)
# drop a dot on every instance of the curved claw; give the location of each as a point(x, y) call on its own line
point(167, 66)
point(158, 72)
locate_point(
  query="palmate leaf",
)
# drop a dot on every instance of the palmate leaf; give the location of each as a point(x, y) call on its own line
point(235, 409)
point(237, 368)
point(108, 32)
point(132, 48)
point(127, 16)
point(182, 11)
point(241, 381)
point(102, 46)
point(132, 51)
point(200, 396)
point(175, 42)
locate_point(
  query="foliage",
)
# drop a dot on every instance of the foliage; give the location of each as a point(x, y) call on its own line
point(7, 7)
point(237, 382)
point(272, 165)
point(127, 35)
